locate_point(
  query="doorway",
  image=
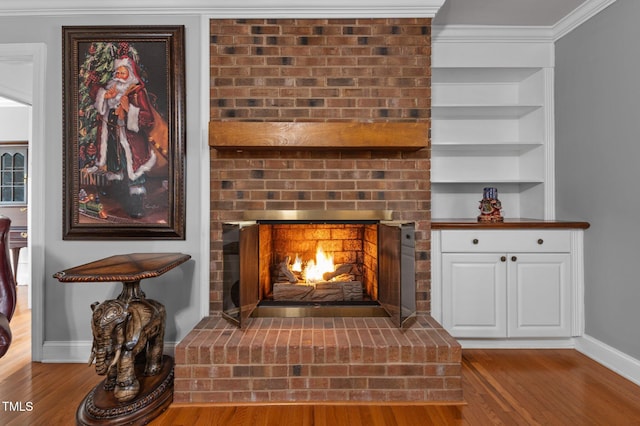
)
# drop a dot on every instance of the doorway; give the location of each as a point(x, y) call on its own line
point(22, 76)
point(14, 203)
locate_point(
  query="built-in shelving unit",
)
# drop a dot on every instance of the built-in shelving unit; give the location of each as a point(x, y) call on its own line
point(517, 283)
point(492, 125)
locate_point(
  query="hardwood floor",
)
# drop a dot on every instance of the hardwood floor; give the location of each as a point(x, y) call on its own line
point(19, 352)
point(501, 387)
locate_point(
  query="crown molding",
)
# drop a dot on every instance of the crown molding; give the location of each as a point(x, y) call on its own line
point(490, 33)
point(224, 8)
point(519, 34)
point(580, 15)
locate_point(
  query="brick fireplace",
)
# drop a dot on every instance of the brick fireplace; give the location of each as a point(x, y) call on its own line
point(312, 115)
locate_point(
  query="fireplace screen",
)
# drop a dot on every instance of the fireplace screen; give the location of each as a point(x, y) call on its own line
point(319, 267)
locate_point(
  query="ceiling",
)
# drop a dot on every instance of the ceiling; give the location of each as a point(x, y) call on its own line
point(505, 12)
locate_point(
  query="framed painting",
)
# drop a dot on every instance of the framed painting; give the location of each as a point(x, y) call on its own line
point(123, 132)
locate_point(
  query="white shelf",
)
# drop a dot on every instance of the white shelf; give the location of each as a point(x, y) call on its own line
point(485, 182)
point(483, 148)
point(490, 128)
point(481, 74)
point(479, 112)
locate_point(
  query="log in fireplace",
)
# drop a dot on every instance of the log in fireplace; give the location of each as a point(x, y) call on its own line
point(319, 263)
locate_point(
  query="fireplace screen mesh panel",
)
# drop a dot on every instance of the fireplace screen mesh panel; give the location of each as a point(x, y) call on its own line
point(317, 269)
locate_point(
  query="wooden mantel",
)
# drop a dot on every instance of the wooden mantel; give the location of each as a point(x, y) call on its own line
point(309, 135)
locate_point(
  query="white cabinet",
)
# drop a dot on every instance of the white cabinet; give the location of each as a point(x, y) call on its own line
point(506, 284)
point(506, 294)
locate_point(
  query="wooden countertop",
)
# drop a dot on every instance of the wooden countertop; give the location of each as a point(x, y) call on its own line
point(520, 223)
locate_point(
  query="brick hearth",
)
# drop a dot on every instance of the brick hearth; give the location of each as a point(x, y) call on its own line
point(320, 70)
point(318, 360)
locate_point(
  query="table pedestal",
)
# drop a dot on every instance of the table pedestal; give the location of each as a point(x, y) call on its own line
point(100, 407)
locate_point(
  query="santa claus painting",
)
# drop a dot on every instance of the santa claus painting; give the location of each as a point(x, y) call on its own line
point(123, 148)
point(124, 132)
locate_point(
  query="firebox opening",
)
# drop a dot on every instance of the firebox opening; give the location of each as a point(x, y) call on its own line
point(319, 263)
point(303, 263)
point(309, 266)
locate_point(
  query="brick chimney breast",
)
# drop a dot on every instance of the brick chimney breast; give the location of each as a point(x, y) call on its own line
point(321, 71)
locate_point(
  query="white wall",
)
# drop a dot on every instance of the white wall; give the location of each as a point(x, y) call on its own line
point(597, 156)
point(15, 80)
point(66, 315)
point(14, 122)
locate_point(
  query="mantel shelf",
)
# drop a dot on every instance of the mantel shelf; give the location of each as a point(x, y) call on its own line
point(309, 135)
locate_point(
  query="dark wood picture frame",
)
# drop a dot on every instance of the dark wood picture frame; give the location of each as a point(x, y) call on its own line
point(124, 142)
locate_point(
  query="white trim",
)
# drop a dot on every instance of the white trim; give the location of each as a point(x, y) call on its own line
point(491, 46)
point(619, 362)
point(221, 8)
point(37, 211)
point(520, 34)
point(550, 141)
point(205, 169)
point(577, 283)
point(580, 15)
point(78, 351)
point(563, 343)
point(490, 33)
point(66, 351)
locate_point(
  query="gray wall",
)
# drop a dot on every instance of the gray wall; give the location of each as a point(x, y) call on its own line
point(66, 306)
point(597, 163)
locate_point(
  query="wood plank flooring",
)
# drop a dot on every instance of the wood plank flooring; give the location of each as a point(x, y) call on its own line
point(501, 387)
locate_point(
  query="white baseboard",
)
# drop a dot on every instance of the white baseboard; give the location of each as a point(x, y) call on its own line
point(564, 343)
point(619, 362)
point(79, 351)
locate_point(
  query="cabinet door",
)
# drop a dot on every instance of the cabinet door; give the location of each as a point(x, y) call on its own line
point(539, 295)
point(474, 298)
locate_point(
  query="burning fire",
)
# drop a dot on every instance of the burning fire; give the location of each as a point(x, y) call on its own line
point(297, 264)
point(314, 271)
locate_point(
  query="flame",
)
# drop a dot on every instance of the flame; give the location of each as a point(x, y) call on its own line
point(315, 270)
point(297, 264)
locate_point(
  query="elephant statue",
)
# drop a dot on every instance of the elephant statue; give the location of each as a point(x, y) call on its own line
point(121, 331)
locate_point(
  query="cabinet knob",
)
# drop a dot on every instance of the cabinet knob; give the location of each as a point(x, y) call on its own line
point(540, 241)
point(503, 259)
point(513, 258)
point(475, 241)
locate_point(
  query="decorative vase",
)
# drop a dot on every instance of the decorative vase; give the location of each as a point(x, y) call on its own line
point(490, 206)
